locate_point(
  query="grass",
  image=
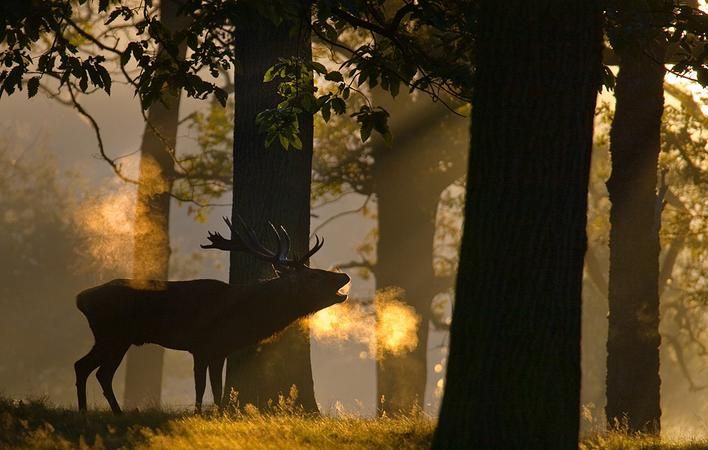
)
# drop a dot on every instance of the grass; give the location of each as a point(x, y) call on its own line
point(35, 425)
point(622, 441)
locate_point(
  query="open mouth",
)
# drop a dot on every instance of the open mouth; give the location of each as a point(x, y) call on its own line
point(344, 290)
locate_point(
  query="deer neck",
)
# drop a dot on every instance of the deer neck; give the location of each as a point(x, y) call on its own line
point(257, 312)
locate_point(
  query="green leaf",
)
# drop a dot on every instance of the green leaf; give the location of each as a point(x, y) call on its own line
point(284, 141)
point(32, 87)
point(269, 75)
point(296, 143)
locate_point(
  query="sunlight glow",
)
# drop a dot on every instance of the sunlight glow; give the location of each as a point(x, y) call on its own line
point(395, 331)
point(106, 222)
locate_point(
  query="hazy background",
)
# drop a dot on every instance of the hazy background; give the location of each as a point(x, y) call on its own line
point(43, 130)
point(42, 333)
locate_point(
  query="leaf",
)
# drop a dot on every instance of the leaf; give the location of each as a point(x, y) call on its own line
point(326, 112)
point(32, 87)
point(221, 96)
point(113, 16)
point(192, 41)
point(334, 76)
point(394, 88)
point(284, 141)
point(296, 143)
point(366, 127)
point(269, 75)
point(338, 105)
point(125, 57)
point(319, 68)
point(702, 75)
point(106, 77)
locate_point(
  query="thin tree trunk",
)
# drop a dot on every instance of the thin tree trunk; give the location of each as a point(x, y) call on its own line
point(408, 181)
point(151, 253)
point(513, 378)
point(633, 381)
point(405, 260)
point(270, 184)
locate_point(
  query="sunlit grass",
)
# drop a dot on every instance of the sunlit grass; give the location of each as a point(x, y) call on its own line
point(623, 441)
point(33, 425)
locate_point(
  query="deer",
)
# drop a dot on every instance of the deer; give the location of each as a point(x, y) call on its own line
point(208, 318)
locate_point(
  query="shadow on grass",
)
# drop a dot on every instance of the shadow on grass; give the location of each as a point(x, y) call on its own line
point(34, 424)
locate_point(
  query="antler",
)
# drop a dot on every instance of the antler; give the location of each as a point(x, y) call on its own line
point(316, 248)
point(248, 242)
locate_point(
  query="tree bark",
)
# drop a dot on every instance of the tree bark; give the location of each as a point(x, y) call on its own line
point(151, 251)
point(633, 382)
point(270, 184)
point(513, 378)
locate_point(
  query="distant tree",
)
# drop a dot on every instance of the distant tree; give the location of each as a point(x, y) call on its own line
point(633, 339)
point(43, 264)
point(406, 176)
point(682, 300)
point(151, 246)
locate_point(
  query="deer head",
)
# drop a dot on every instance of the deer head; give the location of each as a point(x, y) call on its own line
point(317, 288)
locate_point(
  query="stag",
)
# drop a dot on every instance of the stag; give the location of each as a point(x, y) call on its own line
point(208, 318)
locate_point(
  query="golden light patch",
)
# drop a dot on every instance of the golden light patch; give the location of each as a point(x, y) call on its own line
point(397, 323)
point(342, 322)
point(392, 330)
point(106, 223)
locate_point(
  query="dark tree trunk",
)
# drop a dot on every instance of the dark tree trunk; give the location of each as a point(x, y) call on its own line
point(270, 184)
point(151, 252)
point(633, 381)
point(408, 181)
point(513, 378)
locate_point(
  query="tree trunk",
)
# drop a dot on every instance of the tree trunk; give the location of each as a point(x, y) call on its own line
point(405, 260)
point(513, 378)
point(270, 184)
point(424, 140)
point(633, 381)
point(151, 252)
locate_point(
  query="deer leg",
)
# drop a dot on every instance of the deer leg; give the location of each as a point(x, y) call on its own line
point(216, 367)
point(200, 370)
point(83, 368)
point(105, 373)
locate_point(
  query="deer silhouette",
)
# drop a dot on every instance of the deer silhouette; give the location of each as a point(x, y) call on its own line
point(208, 318)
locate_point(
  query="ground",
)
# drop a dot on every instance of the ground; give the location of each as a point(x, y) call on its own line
point(35, 425)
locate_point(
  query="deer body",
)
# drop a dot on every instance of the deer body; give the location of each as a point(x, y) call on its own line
point(208, 318)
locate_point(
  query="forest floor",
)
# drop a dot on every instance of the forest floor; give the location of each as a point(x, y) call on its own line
point(35, 425)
